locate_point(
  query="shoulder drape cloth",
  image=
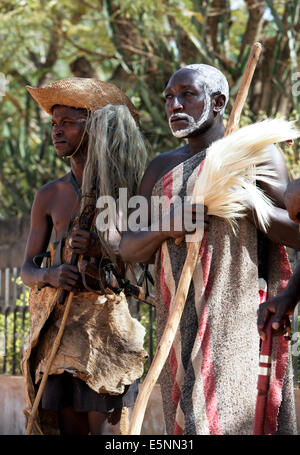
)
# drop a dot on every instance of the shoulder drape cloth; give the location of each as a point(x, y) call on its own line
point(209, 381)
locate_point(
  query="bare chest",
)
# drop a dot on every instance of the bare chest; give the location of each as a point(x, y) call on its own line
point(64, 208)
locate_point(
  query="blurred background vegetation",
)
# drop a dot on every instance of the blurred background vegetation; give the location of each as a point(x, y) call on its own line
point(137, 45)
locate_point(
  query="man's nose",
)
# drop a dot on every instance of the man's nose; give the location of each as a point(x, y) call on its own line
point(175, 104)
point(57, 130)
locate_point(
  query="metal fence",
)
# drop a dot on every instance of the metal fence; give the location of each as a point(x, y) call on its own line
point(14, 320)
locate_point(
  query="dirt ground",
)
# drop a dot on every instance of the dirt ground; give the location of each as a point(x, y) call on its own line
point(12, 401)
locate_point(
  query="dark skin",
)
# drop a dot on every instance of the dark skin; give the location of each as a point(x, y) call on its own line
point(292, 200)
point(184, 95)
point(282, 306)
point(54, 206)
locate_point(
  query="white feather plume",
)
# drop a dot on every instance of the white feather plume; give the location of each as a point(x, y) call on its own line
point(233, 165)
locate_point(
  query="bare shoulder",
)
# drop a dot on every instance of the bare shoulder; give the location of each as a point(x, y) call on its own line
point(294, 187)
point(46, 193)
point(159, 166)
point(277, 162)
point(276, 157)
point(54, 185)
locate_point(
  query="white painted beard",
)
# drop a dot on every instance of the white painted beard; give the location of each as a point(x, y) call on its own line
point(193, 125)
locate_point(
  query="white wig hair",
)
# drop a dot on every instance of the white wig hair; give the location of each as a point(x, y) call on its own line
point(213, 80)
point(116, 159)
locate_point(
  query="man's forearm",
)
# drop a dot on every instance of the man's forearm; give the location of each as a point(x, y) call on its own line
point(33, 276)
point(140, 246)
point(283, 230)
point(292, 290)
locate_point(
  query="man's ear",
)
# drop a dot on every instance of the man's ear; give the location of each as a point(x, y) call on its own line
point(218, 102)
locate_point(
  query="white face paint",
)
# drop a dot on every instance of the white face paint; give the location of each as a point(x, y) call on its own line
point(213, 81)
point(193, 124)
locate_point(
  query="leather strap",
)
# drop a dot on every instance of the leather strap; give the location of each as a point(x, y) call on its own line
point(75, 185)
point(58, 247)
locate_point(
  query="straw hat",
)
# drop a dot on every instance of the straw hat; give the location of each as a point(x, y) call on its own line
point(91, 94)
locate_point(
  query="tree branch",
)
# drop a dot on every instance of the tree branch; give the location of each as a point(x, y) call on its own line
point(89, 5)
point(216, 9)
point(16, 103)
point(254, 24)
point(87, 51)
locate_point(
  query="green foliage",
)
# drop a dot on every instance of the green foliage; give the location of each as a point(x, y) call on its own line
point(137, 45)
point(146, 315)
point(148, 320)
point(16, 325)
point(25, 167)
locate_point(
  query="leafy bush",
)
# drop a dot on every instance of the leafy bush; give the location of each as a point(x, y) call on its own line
point(14, 331)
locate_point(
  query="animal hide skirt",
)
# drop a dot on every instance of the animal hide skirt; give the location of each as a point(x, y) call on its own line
point(102, 345)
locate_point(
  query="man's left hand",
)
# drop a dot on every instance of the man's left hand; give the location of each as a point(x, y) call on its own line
point(84, 242)
point(281, 306)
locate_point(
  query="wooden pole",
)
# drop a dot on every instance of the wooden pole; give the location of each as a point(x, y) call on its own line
point(168, 336)
point(241, 96)
point(50, 361)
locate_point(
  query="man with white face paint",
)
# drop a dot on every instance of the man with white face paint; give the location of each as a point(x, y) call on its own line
point(210, 82)
point(209, 381)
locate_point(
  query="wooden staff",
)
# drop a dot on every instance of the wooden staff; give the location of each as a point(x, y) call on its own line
point(50, 361)
point(263, 381)
point(241, 96)
point(168, 336)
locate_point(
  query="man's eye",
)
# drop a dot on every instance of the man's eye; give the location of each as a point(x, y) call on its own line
point(188, 93)
point(168, 96)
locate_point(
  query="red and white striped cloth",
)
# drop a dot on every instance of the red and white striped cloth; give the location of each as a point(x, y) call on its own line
point(209, 381)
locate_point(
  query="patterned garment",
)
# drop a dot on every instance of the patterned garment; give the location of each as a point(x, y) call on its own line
point(209, 380)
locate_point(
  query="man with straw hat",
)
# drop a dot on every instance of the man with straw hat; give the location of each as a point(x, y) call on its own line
point(209, 380)
point(100, 356)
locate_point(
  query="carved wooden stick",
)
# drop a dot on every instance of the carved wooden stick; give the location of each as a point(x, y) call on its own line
point(167, 339)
